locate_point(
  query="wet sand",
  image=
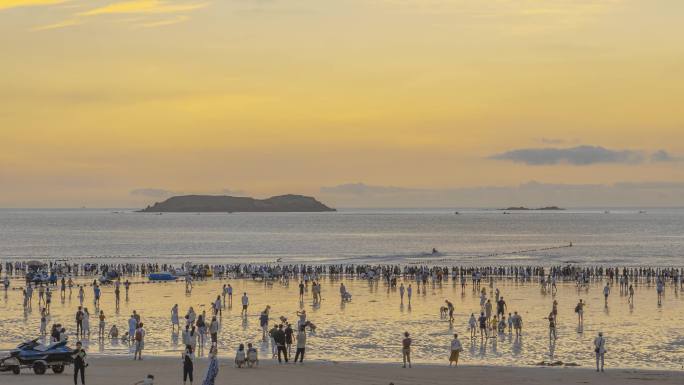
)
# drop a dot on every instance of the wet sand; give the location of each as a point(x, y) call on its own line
point(167, 370)
point(368, 329)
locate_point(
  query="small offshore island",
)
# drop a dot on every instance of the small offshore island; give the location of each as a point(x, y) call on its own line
point(224, 203)
point(522, 208)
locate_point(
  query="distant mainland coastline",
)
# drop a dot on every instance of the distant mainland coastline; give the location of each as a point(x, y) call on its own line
point(224, 203)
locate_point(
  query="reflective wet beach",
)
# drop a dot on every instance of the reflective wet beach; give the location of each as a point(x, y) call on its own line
point(369, 327)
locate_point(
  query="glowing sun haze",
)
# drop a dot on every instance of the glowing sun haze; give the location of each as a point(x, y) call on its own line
point(119, 103)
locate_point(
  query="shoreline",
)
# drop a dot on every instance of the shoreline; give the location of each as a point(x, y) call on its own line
point(108, 370)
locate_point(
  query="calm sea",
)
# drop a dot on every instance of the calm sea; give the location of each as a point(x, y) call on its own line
point(619, 236)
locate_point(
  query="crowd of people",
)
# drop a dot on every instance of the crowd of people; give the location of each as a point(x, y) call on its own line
point(492, 319)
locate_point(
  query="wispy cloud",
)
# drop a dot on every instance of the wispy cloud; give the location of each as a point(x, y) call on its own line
point(7, 4)
point(161, 23)
point(149, 12)
point(577, 156)
point(144, 7)
point(61, 24)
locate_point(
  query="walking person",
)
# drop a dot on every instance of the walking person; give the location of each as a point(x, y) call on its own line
point(101, 325)
point(500, 307)
point(79, 363)
point(600, 350)
point(174, 318)
point(579, 309)
point(482, 321)
point(188, 364)
point(456, 349)
point(213, 331)
point(606, 293)
point(212, 369)
point(552, 327)
point(85, 328)
point(517, 323)
point(43, 322)
point(406, 349)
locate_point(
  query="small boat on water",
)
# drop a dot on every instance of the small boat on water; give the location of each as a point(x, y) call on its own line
point(161, 277)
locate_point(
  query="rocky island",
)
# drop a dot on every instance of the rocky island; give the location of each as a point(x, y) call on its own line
point(521, 208)
point(224, 203)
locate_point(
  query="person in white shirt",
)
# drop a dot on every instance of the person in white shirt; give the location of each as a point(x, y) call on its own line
point(472, 325)
point(600, 350)
point(245, 303)
point(456, 348)
point(132, 325)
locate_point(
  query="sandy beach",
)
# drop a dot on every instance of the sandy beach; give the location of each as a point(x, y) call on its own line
point(167, 370)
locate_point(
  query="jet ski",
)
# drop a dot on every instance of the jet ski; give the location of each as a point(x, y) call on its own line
point(34, 355)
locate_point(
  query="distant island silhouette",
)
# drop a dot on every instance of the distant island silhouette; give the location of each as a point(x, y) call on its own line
point(522, 208)
point(224, 203)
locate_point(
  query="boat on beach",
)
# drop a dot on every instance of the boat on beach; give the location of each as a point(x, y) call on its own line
point(163, 276)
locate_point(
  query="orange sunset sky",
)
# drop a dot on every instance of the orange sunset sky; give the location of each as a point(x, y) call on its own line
point(107, 103)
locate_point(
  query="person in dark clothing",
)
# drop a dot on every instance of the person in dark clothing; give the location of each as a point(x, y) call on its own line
point(79, 363)
point(280, 340)
point(79, 321)
point(288, 338)
point(500, 307)
point(188, 365)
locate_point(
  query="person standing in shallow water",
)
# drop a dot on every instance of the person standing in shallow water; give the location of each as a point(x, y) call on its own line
point(406, 349)
point(579, 309)
point(401, 292)
point(599, 350)
point(456, 349)
point(245, 303)
point(409, 293)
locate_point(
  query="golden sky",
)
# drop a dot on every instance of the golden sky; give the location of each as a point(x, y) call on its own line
point(99, 98)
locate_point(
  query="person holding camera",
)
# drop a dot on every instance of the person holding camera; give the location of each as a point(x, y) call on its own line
point(79, 363)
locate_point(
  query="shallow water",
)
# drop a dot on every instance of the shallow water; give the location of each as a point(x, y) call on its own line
point(369, 328)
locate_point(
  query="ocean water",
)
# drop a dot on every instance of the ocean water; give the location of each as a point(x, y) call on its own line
point(369, 328)
point(622, 236)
